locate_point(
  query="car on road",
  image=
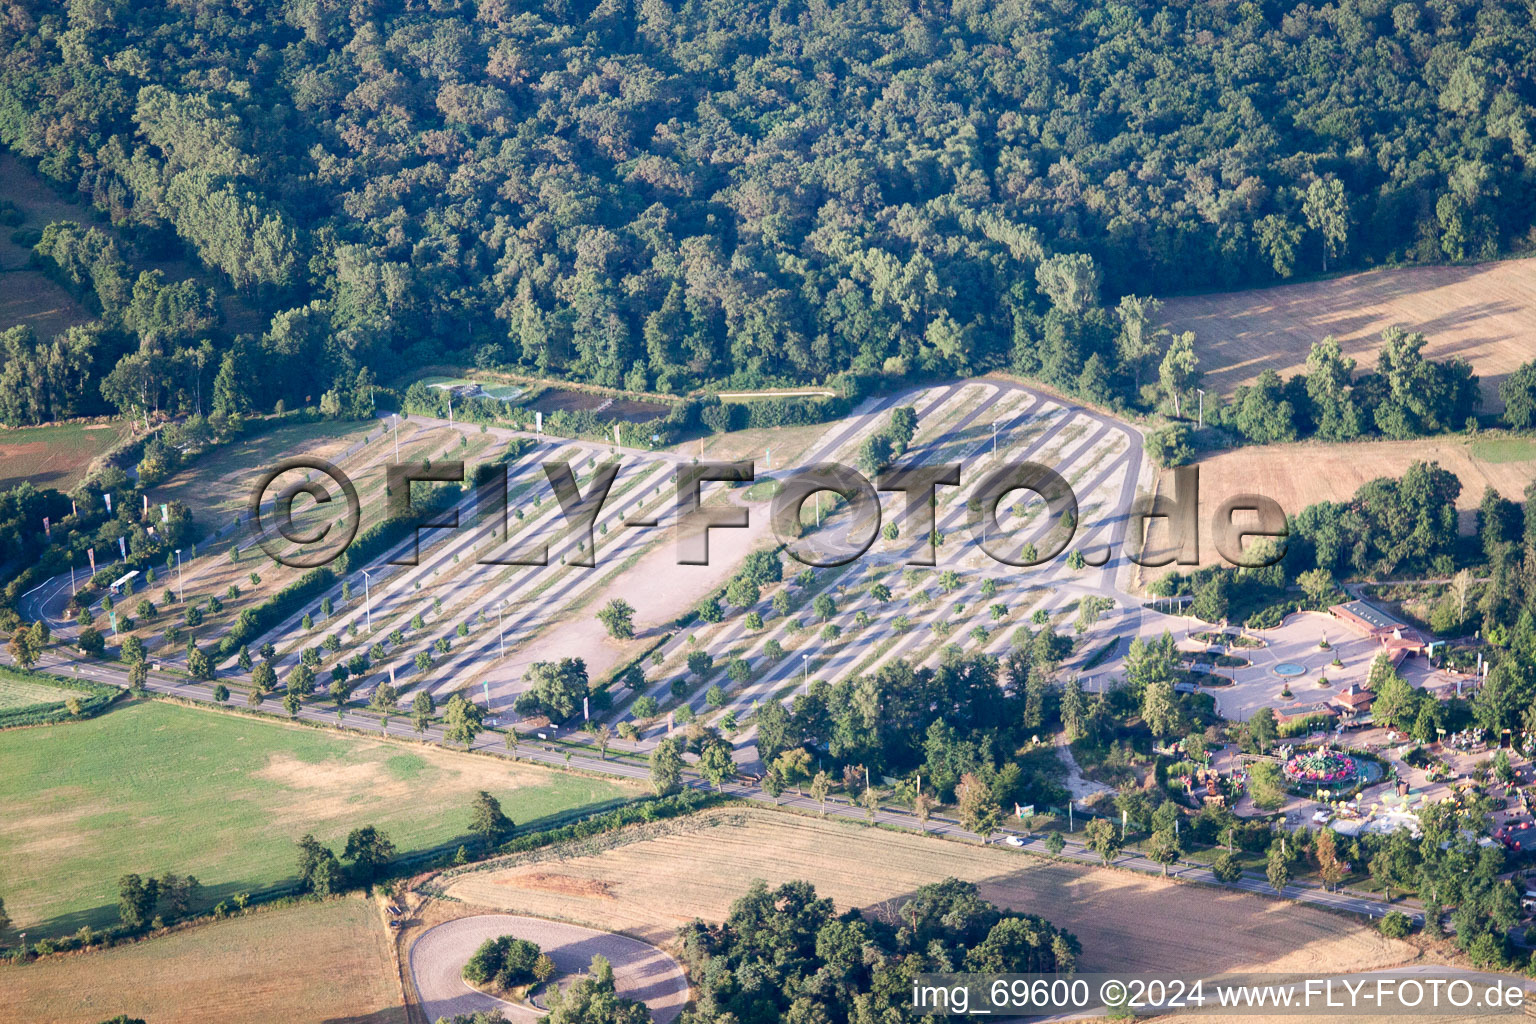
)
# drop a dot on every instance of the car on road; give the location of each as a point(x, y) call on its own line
point(1013, 840)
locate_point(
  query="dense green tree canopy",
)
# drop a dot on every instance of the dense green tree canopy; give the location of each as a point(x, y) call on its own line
point(662, 194)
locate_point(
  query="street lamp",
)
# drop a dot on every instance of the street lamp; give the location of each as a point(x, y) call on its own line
point(367, 601)
point(805, 671)
point(397, 437)
point(501, 636)
point(1200, 423)
point(179, 586)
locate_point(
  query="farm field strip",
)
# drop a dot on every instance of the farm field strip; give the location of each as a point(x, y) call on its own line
point(311, 962)
point(54, 456)
point(649, 884)
point(1301, 474)
point(1484, 312)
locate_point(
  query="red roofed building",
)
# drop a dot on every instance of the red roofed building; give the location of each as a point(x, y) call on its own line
point(1352, 701)
point(1397, 638)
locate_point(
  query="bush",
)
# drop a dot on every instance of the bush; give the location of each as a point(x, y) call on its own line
point(1396, 925)
point(1171, 446)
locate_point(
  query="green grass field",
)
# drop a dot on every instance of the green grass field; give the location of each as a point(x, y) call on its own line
point(1505, 449)
point(18, 692)
point(157, 787)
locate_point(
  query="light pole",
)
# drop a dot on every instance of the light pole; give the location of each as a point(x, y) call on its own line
point(501, 635)
point(179, 586)
point(397, 437)
point(805, 671)
point(367, 601)
point(1200, 422)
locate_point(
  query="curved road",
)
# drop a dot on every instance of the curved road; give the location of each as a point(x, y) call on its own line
point(640, 971)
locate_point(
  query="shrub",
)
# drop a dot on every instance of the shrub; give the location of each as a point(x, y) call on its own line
point(1171, 446)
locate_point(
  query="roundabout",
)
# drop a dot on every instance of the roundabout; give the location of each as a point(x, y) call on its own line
point(641, 971)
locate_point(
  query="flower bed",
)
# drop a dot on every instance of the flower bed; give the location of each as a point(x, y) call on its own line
point(1321, 767)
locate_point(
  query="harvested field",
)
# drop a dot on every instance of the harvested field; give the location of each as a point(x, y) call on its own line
point(1485, 312)
point(1298, 475)
point(650, 882)
point(29, 297)
point(323, 962)
point(54, 456)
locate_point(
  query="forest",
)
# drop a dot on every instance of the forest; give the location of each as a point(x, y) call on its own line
point(671, 195)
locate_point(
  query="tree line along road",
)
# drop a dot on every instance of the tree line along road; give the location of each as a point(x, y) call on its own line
point(571, 754)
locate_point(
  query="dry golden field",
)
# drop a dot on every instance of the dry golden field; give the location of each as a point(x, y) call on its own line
point(664, 876)
point(1485, 312)
point(326, 963)
point(1302, 474)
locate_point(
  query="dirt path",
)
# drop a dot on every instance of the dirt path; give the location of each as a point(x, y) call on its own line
point(640, 971)
point(1080, 788)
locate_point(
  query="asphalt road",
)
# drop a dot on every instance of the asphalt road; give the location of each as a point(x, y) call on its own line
point(640, 971)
